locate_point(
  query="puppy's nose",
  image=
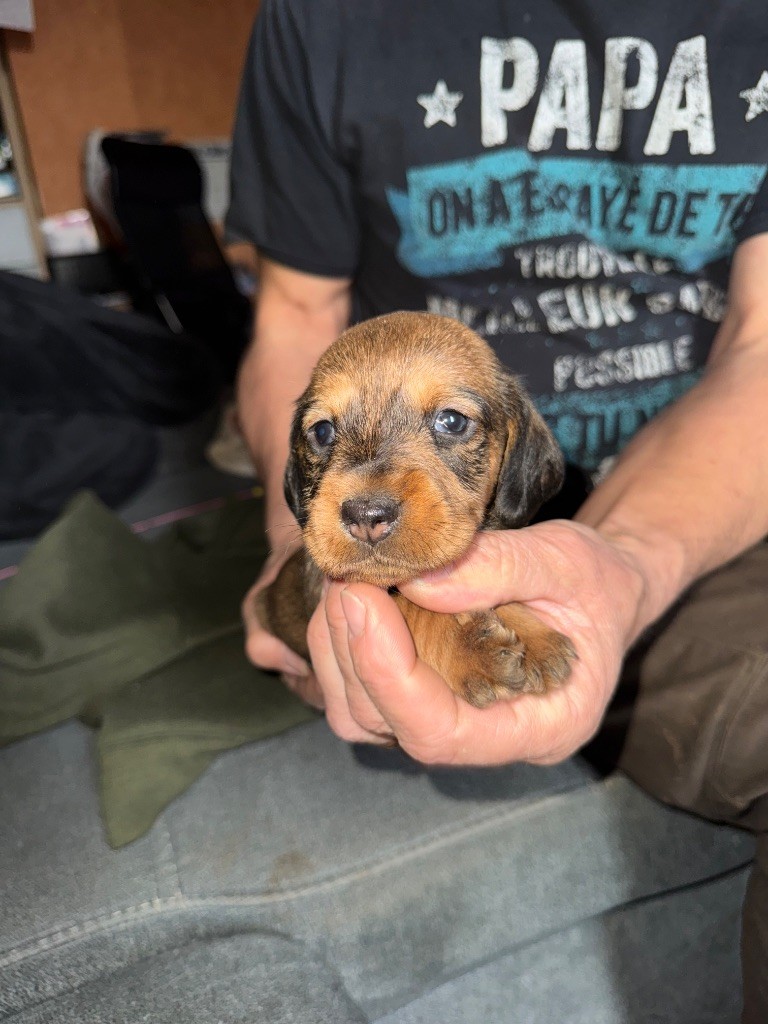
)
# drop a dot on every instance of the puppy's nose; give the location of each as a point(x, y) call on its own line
point(370, 519)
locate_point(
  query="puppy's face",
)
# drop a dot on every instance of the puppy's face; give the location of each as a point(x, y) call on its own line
point(410, 437)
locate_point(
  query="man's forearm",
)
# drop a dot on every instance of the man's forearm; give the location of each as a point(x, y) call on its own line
point(691, 490)
point(297, 317)
point(269, 382)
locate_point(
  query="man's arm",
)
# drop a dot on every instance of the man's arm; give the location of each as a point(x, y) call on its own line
point(297, 317)
point(691, 491)
point(689, 494)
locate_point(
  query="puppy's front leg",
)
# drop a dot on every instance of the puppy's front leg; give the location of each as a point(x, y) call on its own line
point(483, 656)
point(487, 655)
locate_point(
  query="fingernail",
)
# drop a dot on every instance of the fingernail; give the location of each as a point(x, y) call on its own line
point(354, 610)
point(292, 682)
point(295, 666)
point(431, 579)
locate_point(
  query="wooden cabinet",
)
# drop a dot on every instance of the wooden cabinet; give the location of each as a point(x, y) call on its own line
point(123, 65)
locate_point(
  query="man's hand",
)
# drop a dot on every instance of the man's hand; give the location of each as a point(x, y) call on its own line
point(375, 688)
point(263, 648)
point(266, 651)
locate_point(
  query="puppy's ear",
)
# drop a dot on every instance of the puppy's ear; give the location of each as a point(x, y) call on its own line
point(532, 468)
point(294, 479)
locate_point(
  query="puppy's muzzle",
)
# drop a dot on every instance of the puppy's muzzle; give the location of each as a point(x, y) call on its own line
point(370, 519)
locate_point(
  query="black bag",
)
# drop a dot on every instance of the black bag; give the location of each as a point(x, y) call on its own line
point(81, 388)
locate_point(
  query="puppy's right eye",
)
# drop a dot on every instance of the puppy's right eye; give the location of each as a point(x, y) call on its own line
point(323, 434)
point(448, 421)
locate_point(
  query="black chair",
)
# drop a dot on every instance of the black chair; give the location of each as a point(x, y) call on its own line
point(177, 264)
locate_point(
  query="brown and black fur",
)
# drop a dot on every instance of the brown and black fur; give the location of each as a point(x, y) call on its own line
point(380, 386)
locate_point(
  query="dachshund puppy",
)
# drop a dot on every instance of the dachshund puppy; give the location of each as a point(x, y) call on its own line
point(410, 438)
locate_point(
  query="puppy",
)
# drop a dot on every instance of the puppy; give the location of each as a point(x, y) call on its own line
point(411, 437)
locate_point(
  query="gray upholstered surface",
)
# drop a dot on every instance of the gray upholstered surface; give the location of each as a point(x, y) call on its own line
point(399, 880)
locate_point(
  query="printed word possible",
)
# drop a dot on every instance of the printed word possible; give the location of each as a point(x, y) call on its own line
point(623, 365)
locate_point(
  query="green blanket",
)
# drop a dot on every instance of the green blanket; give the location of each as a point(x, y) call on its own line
point(143, 641)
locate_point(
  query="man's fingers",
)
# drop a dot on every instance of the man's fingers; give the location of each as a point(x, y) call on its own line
point(262, 648)
point(536, 564)
point(307, 688)
point(429, 721)
point(414, 701)
point(355, 720)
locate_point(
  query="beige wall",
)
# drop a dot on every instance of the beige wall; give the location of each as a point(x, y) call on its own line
point(123, 64)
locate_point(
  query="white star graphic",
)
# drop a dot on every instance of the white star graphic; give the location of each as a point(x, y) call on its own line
point(757, 98)
point(440, 105)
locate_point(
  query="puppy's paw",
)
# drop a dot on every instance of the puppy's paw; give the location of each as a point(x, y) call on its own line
point(505, 652)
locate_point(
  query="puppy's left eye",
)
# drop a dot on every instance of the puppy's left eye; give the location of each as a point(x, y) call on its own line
point(448, 421)
point(323, 433)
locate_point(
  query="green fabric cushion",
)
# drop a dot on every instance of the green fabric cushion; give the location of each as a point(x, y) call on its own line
point(144, 641)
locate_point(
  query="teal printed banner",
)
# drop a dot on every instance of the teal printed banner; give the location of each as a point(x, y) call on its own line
point(461, 216)
point(591, 426)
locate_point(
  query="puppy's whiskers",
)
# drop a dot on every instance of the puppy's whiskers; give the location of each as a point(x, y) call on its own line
point(293, 525)
point(284, 544)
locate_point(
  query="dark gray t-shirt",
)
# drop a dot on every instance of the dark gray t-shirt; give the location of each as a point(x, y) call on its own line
point(570, 179)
